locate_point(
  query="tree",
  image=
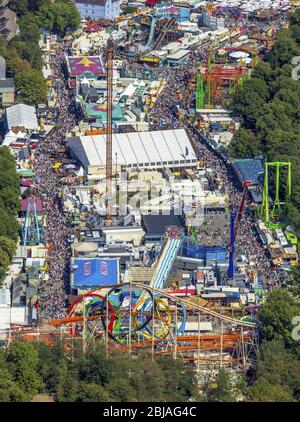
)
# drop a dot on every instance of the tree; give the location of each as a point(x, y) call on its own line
point(294, 281)
point(180, 380)
point(19, 6)
point(92, 393)
point(276, 317)
point(264, 391)
point(9, 200)
point(29, 28)
point(31, 87)
point(68, 389)
point(244, 144)
point(15, 64)
point(22, 360)
point(269, 105)
point(8, 225)
point(29, 51)
point(4, 260)
point(94, 367)
point(221, 389)
point(2, 275)
point(52, 367)
point(128, 10)
point(59, 17)
point(277, 374)
point(9, 389)
point(283, 50)
point(263, 71)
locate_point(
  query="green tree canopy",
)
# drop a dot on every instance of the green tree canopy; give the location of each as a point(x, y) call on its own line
point(22, 361)
point(8, 245)
point(31, 87)
point(8, 225)
point(59, 17)
point(264, 391)
point(221, 389)
point(276, 317)
point(19, 6)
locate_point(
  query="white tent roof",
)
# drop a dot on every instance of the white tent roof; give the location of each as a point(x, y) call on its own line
point(21, 115)
point(153, 149)
point(239, 54)
point(11, 137)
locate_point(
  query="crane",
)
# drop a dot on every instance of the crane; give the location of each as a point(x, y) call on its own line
point(109, 80)
point(235, 220)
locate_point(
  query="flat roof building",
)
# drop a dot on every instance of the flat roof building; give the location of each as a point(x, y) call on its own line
point(21, 115)
point(136, 150)
point(178, 57)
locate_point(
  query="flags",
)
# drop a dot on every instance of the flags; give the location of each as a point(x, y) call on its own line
point(103, 268)
point(87, 268)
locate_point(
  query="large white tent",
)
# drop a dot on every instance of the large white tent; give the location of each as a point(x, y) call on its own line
point(22, 115)
point(147, 150)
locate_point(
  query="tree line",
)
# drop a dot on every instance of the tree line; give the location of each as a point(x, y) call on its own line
point(9, 207)
point(27, 369)
point(269, 104)
point(23, 53)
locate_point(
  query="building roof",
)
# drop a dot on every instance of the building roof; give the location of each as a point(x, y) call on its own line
point(84, 247)
point(84, 66)
point(2, 68)
point(153, 149)
point(99, 111)
point(4, 296)
point(21, 115)
point(38, 204)
point(249, 169)
point(96, 2)
point(12, 315)
point(180, 54)
point(7, 85)
point(90, 272)
point(157, 225)
point(8, 25)
point(7, 14)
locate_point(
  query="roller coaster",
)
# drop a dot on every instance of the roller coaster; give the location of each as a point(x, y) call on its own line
point(133, 317)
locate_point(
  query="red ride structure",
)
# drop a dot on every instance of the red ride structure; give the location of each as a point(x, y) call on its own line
point(246, 185)
point(219, 80)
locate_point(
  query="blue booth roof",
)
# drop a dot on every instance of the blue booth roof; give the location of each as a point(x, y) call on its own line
point(95, 272)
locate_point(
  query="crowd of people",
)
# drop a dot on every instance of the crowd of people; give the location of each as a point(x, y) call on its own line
point(53, 295)
point(248, 240)
point(52, 298)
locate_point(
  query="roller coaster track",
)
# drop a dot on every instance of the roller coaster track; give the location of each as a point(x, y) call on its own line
point(180, 300)
point(138, 329)
point(203, 309)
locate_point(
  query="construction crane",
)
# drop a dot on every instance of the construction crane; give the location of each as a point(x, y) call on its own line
point(109, 80)
point(235, 221)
